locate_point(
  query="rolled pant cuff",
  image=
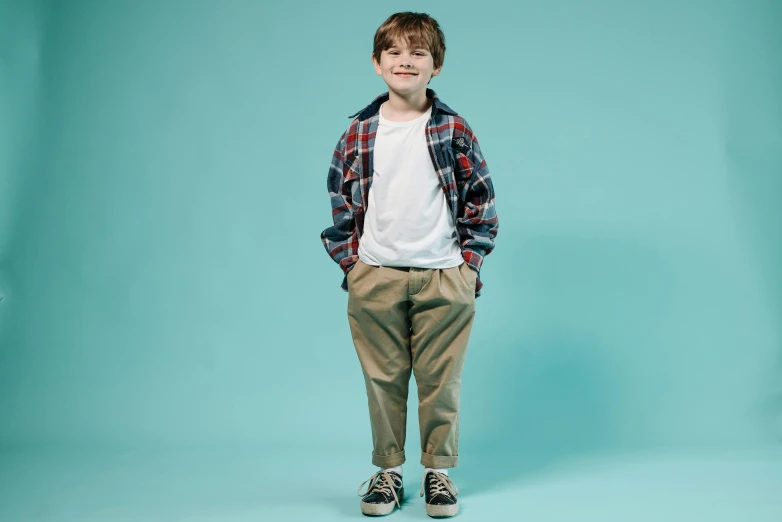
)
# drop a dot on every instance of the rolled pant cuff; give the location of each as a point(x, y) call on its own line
point(389, 461)
point(439, 461)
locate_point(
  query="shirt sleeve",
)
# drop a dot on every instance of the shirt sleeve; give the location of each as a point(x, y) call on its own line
point(478, 224)
point(341, 239)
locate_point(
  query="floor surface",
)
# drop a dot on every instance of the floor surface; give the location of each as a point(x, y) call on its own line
point(55, 484)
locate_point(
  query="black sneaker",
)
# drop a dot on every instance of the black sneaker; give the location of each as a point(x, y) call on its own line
point(440, 495)
point(384, 493)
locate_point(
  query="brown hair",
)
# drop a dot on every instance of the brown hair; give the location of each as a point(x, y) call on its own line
point(415, 29)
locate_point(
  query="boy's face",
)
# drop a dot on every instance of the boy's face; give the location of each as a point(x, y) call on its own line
point(417, 62)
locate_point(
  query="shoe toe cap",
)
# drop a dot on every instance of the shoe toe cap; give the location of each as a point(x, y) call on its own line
point(440, 500)
point(375, 498)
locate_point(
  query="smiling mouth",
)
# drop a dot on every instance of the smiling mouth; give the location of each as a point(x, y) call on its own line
point(405, 74)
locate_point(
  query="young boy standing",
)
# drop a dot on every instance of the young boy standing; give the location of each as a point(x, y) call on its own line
point(413, 210)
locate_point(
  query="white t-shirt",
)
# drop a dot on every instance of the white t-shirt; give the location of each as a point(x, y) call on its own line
point(407, 221)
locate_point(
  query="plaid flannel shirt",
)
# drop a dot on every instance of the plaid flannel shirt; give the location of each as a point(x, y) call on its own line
point(460, 167)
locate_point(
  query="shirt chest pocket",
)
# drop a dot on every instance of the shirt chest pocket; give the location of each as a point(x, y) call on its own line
point(352, 169)
point(352, 175)
point(463, 166)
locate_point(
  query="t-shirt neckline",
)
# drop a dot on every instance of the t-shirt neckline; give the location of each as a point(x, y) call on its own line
point(408, 123)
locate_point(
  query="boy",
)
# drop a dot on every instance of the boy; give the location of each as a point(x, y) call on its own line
point(413, 211)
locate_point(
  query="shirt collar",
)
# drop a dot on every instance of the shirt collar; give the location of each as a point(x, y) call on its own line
point(374, 107)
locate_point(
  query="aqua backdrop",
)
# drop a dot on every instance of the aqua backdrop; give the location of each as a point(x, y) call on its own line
point(163, 187)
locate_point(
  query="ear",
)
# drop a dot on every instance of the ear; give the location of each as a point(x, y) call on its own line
point(437, 71)
point(376, 65)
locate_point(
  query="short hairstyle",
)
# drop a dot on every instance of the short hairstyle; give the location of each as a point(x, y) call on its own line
point(414, 29)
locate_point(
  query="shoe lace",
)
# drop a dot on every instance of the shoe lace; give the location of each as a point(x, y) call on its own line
point(441, 484)
point(382, 482)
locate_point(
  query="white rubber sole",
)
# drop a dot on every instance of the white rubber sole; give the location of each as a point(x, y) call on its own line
point(374, 510)
point(436, 511)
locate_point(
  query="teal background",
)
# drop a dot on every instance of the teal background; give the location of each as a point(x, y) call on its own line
point(173, 339)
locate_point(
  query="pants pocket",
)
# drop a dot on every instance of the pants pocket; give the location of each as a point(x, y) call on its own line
point(468, 279)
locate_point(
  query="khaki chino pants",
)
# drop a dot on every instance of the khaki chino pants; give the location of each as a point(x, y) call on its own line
point(412, 319)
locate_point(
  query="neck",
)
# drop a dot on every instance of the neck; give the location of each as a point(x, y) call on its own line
point(415, 102)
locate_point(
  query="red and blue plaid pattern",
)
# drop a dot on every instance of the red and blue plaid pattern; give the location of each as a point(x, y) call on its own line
point(457, 159)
